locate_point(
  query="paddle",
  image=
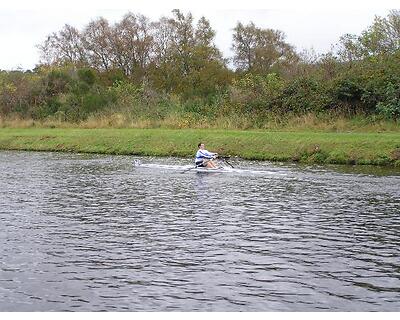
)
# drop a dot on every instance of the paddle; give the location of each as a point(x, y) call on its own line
point(225, 159)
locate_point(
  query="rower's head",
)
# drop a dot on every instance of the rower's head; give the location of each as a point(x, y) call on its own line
point(201, 145)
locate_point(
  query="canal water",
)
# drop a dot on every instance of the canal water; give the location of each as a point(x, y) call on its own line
point(85, 232)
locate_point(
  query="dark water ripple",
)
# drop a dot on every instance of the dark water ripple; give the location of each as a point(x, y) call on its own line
point(92, 233)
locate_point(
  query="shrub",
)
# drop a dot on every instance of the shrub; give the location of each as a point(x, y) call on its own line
point(348, 90)
point(56, 81)
point(390, 107)
point(256, 94)
point(87, 75)
point(126, 93)
point(304, 95)
point(47, 109)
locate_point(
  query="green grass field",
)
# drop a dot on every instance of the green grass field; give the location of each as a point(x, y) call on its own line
point(305, 147)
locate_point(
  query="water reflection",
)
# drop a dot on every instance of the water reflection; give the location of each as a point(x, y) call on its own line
point(87, 232)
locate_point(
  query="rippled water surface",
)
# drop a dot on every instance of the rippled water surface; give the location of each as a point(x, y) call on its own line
point(92, 233)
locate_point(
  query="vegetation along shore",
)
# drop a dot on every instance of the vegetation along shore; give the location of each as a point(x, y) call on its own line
point(146, 87)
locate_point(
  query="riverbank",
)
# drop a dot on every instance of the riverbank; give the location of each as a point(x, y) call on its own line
point(305, 147)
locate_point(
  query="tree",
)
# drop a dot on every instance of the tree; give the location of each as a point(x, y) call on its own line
point(132, 45)
point(97, 41)
point(186, 59)
point(259, 50)
point(182, 40)
point(381, 38)
point(64, 47)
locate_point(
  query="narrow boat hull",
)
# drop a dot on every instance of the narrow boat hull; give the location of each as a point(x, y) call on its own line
point(207, 170)
point(138, 164)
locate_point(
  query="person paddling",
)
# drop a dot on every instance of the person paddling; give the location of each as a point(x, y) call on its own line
point(205, 158)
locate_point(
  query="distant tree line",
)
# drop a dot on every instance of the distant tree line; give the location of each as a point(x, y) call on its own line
point(172, 67)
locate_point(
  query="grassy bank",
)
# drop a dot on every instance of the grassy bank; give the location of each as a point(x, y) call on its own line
point(306, 147)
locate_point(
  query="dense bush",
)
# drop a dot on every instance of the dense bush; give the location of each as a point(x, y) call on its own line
point(256, 94)
point(390, 107)
point(73, 94)
point(304, 95)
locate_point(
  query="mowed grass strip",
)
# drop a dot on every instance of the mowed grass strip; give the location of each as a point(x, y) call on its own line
point(306, 147)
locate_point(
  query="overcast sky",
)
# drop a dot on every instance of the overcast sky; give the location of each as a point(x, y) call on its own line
point(307, 24)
